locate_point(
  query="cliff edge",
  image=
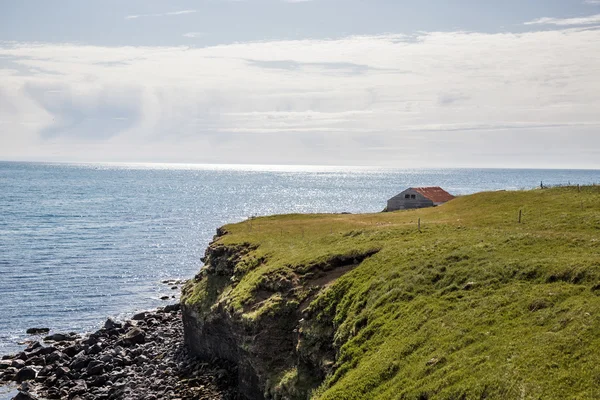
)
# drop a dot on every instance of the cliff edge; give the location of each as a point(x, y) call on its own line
point(475, 304)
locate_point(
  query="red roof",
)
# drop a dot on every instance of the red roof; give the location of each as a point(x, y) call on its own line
point(435, 194)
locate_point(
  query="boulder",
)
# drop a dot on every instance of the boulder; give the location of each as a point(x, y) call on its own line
point(134, 336)
point(54, 357)
point(24, 396)
point(79, 362)
point(4, 364)
point(71, 351)
point(60, 337)
point(172, 308)
point(112, 324)
point(139, 316)
point(25, 374)
point(61, 371)
point(32, 346)
point(95, 368)
point(79, 388)
point(37, 331)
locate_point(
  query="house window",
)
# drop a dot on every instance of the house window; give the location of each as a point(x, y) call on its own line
point(412, 196)
point(407, 196)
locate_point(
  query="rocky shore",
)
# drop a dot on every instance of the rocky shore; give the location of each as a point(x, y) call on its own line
point(142, 358)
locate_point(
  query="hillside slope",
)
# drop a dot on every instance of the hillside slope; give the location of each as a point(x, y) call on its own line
point(475, 305)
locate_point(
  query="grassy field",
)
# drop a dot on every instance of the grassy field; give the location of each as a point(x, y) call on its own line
point(474, 305)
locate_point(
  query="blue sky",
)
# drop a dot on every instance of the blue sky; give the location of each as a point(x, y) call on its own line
point(393, 83)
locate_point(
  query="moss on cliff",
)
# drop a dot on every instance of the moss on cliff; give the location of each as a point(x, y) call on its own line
point(475, 305)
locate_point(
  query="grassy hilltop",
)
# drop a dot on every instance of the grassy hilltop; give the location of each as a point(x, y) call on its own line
point(475, 305)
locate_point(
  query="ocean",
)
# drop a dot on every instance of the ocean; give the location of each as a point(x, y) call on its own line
point(82, 242)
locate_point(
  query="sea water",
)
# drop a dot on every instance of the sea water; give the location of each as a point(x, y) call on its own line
point(79, 243)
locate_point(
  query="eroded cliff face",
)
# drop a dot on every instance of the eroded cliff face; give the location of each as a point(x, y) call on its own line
point(281, 351)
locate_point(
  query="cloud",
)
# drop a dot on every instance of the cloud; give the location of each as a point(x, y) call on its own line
point(182, 12)
point(589, 20)
point(527, 99)
point(592, 2)
point(193, 34)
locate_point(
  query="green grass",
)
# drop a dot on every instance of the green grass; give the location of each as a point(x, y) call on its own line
point(474, 306)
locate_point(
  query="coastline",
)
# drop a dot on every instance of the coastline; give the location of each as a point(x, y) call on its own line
point(141, 358)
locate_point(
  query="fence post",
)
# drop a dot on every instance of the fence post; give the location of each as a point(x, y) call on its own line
point(419, 223)
point(520, 213)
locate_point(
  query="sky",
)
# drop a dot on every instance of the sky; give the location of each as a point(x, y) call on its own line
point(394, 83)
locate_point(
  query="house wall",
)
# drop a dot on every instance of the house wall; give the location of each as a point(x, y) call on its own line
point(399, 202)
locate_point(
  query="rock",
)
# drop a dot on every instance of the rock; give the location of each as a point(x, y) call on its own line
point(18, 363)
point(53, 393)
point(98, 381)
point(172, 308)
point(37, 360)
point(42, 351)
point(71, 351)
point(32, 346)
point(24, 396)
point(46, 371)
point(37, 331)
point(60, 337)
point(141, 359)
point(139, 316)
point(112, 324)
point(79, 362)
point(95, 368)
point(134, 336)
point(95, 349)
point(61, 371)
point(79, 388)
point(4, 364)
point(25, 374)
point(54, 357)
point(164, 297)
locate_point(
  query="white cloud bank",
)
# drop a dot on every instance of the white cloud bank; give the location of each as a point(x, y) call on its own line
point(587, 20)
point(440, 99)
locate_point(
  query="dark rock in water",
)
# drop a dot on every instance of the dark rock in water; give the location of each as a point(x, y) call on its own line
point(139, 316)
point(112, 324)
point(37, 331)
point(60, 337)
point(18, 363)
point(33, 346)
point(134, 336)
point(25, 374)
point(164, 297)
point(172, 308)
point(24, 396)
